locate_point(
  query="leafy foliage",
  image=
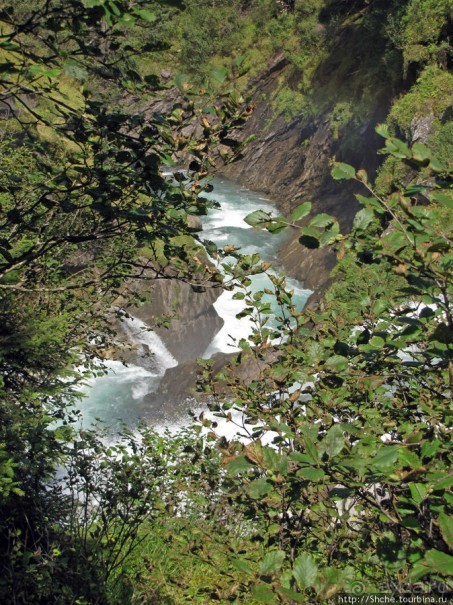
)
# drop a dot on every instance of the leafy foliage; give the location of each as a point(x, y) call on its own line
point(82, 194)
point(342, 473)
point(346, 462)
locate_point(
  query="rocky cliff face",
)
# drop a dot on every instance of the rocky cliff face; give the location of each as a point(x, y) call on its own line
point(193, 319)
point(289, 162)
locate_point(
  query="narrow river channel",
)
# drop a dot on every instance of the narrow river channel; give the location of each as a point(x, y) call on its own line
point(128, 394)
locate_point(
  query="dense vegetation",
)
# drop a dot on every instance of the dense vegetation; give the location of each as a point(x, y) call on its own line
point(342, 479)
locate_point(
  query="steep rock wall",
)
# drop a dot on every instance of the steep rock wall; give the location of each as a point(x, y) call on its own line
point(193, 319)
point(289, 162)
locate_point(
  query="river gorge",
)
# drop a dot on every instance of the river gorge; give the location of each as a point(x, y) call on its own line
point(154, 386)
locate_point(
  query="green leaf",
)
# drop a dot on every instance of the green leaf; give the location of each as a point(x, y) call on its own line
point(242, 565)
point(211, 247)
point(395, 241)
point(220, 74)
point(322, 220)
point(439, 245)
point(263, 594)
point(406, 458)
point(259, 488)
point(271, 562)
point(436, 165)
point(9, 46)
point(239, 465)
point(446, 528)
point(311, 450)
point(413, 189)
point(383, 130)
point(341, 171)
point(258, 218)
point(145, 15)
point(334, 440)
point(420, 152)
point(330, 581)
point(439, 561)
point(386, 457)
point(127, 18)
point(297, 597)
point(418, 492)
point(271, 458)
point(301, 211)
point(305, 570)
point(362, 219)
point(328, 237)
point(429, 448)
point(337, 363)
point(181, 81)
point(115, 10)
point(377, 342)
point(301, 458)
point(311, 473)
point(443, 197)
point(240, 60)
point(397, 148)
point(418, 571)
point(444, 483)
point(40, 70)
point(276, 227)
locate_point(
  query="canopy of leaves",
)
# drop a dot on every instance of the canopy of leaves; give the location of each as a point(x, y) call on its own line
point(82, 196)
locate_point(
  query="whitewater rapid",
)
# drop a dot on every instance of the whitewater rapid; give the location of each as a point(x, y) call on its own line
point(226, 226)
point(118, 396)
point(130, 393)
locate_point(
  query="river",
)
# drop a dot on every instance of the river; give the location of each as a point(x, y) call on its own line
point(128, 394)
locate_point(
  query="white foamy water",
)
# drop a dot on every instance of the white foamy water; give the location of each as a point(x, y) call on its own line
point(234, 329)
point(118, 396)
point(141, 334)
point(226, 226)
point(237, 428)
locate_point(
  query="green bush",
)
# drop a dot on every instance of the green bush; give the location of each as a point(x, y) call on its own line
point(353, 492)
point(430, 94)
